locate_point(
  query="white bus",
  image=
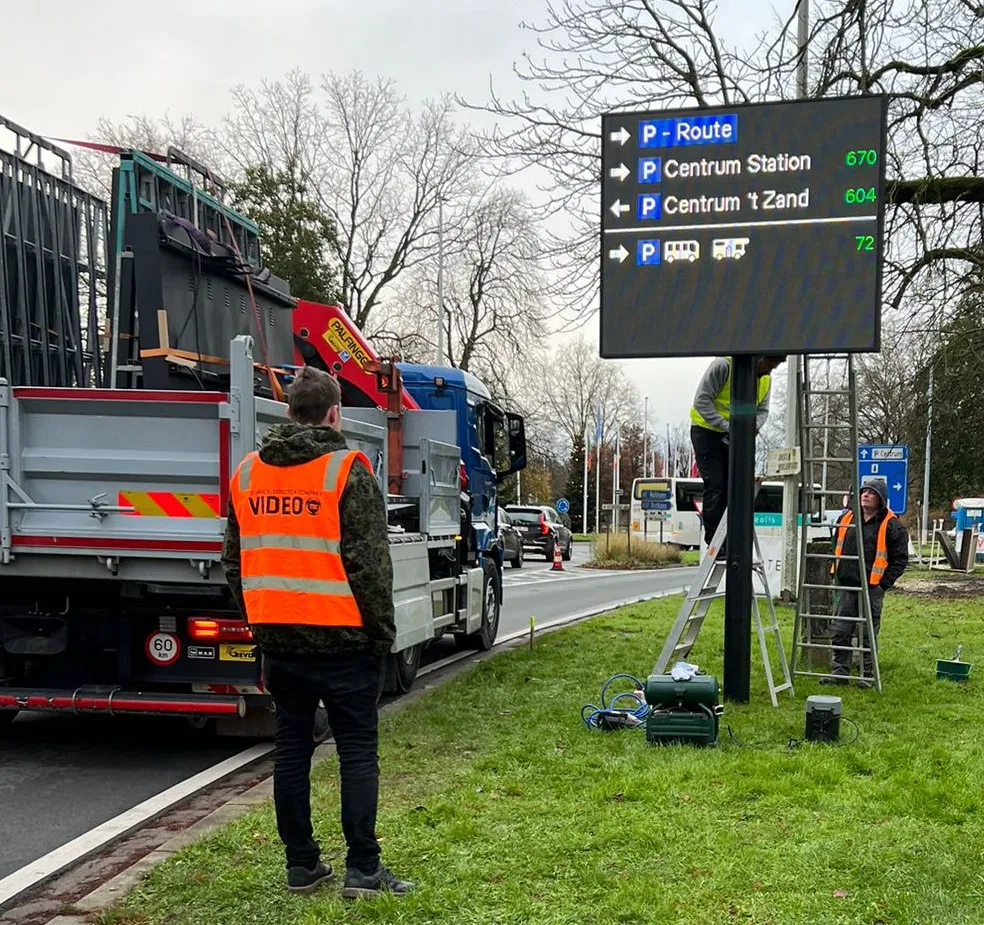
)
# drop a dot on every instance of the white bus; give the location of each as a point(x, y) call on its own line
point(681, 524)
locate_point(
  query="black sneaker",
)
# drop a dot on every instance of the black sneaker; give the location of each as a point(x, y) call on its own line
point(839, 680)
point(865, 683)
point(302, 880)
point(358, 884)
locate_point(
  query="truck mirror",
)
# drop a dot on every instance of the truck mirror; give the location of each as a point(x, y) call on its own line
point(517, 446)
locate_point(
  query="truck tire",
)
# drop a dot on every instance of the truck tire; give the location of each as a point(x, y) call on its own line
point(484, 639)
point(401, 669)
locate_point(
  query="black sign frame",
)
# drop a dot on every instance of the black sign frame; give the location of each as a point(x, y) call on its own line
point(710, 339)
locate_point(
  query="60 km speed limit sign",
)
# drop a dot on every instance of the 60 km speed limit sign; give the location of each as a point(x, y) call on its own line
point(163, 648)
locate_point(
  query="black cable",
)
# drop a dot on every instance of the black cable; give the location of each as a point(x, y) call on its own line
point(792, 742)
point(857, 729)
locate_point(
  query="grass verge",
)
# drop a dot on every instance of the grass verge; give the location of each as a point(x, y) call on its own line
point(613, 551)
point(506, 810)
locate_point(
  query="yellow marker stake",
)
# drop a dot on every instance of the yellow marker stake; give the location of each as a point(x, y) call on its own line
point(532, 630)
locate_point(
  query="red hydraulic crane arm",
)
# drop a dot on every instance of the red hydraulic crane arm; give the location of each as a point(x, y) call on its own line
point(343, 351)
point(327, 332)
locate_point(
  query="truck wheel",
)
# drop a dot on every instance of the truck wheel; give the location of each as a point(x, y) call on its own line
point(568, 553)
point(518, 561)
point(484, 639)
point(401, 669)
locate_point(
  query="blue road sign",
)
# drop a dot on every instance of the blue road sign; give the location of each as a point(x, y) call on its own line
point(653, 505)
point(891, 464)
point(563, 506)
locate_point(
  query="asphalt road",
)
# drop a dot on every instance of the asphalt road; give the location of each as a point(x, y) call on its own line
point(548, 596)
point(60, 776)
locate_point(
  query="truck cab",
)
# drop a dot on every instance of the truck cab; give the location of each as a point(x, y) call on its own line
point(492, 440)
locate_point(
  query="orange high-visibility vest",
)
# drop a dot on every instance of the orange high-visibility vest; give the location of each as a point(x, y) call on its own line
point(290, 536)
point(881, 547)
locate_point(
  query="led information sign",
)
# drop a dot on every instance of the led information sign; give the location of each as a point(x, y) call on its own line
point(744, 229)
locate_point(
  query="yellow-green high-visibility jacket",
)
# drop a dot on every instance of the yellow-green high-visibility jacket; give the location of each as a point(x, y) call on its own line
point(712, 401)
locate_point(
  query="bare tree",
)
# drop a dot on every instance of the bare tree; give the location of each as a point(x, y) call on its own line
point(494, 294)
point(376, 166)
point(93, 169)
point(595, 56)
point(773, 434)
point(577, 382)
point(889, 389)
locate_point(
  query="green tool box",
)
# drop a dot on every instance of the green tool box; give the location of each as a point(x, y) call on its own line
point(682, 711)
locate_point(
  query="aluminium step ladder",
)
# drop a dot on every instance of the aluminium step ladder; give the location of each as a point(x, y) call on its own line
point(829, 452)
point(703, 592)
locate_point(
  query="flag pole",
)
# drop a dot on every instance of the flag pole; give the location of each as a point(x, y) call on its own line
point(584, 483)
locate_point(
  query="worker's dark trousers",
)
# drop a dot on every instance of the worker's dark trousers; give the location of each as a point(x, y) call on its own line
point(712, 461)
point(348, 685)
point(842, 631)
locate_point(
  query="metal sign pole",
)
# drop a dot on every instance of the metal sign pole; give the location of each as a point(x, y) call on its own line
point(741, 496)
point(790, 496)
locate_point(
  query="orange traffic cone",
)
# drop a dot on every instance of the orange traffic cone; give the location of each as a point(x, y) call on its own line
point(558, 564)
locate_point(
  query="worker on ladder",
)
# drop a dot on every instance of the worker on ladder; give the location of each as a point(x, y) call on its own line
point(710, 419)
point(886, 555)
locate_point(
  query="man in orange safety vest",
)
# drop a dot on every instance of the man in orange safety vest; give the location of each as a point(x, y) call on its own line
point(307, 557)
point(886, 556)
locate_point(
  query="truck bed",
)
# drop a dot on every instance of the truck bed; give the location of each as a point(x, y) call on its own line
point(128, 483)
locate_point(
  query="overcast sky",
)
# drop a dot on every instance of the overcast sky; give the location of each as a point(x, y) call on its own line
point(66, 63)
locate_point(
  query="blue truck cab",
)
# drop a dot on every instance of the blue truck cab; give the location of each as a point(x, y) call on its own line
point(492, 440)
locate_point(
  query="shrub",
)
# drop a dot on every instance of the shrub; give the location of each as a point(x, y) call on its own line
point(613, 550)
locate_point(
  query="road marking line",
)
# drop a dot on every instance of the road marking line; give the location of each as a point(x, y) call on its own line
point(54, 862)
point(557, 623)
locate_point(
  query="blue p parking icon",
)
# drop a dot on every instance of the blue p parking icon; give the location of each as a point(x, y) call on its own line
point(650, 169)
point(647, 253)
point(649, 206)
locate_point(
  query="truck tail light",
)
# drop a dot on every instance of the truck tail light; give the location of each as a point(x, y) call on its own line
point(206, 629)
point(544, 529)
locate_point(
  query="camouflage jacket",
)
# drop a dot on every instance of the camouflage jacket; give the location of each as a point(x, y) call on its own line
point(364, 551)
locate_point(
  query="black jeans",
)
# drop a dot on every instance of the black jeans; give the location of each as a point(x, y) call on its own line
point(712, 462)
point(348, 685)
point(843, 631)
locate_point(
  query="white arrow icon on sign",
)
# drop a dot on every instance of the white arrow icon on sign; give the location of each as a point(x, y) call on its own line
point(621, 136)
point(864, 454)
point(621, 172)
point(897, 486)
point(619, 208)
point(619, 254)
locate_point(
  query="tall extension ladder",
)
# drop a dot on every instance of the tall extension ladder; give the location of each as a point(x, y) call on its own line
point(703, 592)
point(828, 419)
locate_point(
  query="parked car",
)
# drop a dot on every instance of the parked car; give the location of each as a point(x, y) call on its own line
point(542, 529)
point(511, 539)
